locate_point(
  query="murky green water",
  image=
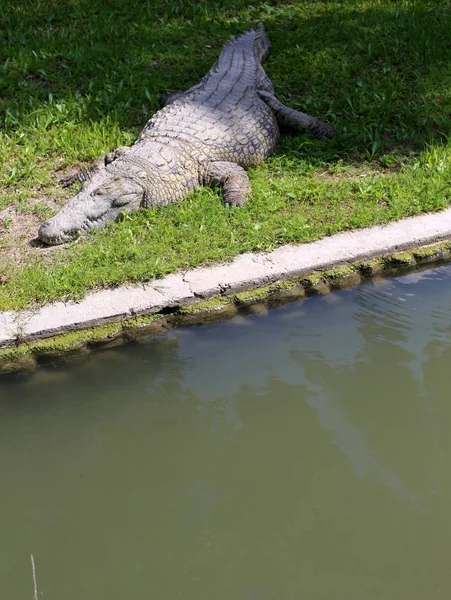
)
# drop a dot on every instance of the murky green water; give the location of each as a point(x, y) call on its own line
point(305, 453)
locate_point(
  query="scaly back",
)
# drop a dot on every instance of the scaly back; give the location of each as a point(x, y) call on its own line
point(237, 69)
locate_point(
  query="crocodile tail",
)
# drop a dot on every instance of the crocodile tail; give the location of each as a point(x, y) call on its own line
point(254, 40)
point(262, 44)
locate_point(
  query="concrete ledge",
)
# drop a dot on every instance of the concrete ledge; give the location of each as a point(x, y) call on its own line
point(245, 272)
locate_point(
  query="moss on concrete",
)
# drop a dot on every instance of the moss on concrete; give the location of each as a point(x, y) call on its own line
point(311, 279)
point(24, 354)
point(72, 340)
point(403, 259)
point(61, 342)
point(140, 321)
point(205, 305)
point(250, 296)
point(371, 268)
point(428, 254)
point(340, 272)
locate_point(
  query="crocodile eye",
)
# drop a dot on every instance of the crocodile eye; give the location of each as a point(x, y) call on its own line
point(101, 191)
point(123, 200)
point(109, 187)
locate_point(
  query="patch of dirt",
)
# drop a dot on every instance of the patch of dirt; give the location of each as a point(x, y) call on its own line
point(19, 243)
point(22, 213)
point(350, 173)
point(36, 79)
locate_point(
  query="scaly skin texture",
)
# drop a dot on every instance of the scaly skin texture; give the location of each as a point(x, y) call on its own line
point(210, 133)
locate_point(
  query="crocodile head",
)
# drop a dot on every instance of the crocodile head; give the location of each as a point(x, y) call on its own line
point(101, 200)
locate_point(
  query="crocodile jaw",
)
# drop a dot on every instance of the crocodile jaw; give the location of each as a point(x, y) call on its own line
point(93, 207)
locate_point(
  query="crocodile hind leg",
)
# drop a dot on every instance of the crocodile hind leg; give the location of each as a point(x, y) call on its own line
point(264, 83)
point(98, 164)
point(292, 119)
point(233, 179)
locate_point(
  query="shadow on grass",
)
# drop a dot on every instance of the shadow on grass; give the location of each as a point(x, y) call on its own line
point(379, 71)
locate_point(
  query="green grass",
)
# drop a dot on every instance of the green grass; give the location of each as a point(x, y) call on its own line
point(79, 78)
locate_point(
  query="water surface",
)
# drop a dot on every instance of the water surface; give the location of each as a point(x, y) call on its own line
point(303, 453)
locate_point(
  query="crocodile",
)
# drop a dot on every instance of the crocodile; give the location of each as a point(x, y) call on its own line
point(208, 134)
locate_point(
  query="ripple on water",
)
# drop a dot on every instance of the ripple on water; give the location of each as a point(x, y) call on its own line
point(405, 306)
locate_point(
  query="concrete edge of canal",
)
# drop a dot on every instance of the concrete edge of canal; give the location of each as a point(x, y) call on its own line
point(248, 283)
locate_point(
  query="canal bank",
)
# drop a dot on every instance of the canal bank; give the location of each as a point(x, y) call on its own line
point(218, 292)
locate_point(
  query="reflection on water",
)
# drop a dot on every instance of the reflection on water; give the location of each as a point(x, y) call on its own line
point(300, 454)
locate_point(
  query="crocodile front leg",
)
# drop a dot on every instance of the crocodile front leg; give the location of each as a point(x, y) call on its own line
point(293, 119)
point(97, 165)
point(233, 179)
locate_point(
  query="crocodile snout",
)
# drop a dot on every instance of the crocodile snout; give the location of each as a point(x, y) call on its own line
point(51, 234)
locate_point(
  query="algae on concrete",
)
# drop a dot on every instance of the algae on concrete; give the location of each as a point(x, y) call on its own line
point(25, 355)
